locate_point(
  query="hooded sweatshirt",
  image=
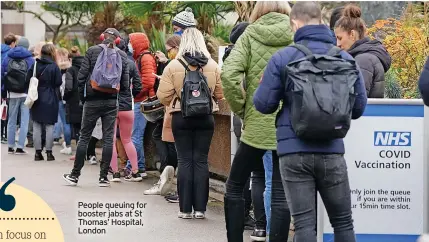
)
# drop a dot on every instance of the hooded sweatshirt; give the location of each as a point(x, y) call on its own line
point(373, 60)
point(4, 50)
point(16, 53)
point(146, 65)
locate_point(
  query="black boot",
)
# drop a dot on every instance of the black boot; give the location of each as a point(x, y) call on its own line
point(38, 156)
point(49, 156)
point(234, 218)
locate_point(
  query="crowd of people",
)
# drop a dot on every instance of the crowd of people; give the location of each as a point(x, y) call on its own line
point(293, 84)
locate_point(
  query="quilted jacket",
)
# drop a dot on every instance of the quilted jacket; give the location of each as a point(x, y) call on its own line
point(140, 44)
point(248, 58)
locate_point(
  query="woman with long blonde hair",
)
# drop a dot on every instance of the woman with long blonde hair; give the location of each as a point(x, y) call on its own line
point(45, 109)
point(192, 135)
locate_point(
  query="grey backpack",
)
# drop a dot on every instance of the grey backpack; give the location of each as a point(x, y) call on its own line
point(322, 94)
point(106, 76)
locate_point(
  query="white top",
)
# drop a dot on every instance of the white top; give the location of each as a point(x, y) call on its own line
point(17, 95)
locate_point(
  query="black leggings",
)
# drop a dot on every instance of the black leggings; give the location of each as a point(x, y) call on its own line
point(166, 150)
point(247, 160)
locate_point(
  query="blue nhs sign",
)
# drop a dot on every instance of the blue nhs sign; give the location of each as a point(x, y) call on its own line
point(392, 138)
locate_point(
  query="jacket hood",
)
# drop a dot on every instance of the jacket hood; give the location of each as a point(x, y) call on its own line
point(319, 33)
point(198, 60)
point(45, 60)
point(19, 53)
point(270, 29)
point(140, 43)
point(77, 61)
point(375, 47)
point(4, 48)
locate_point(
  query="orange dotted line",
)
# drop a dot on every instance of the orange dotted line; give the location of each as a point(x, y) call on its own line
point(33, 219)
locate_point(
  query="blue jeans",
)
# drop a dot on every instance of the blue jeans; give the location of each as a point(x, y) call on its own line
point(305, 174)
point(15, 104)
point(268, 167)
point(65, 126)
point(139, 127)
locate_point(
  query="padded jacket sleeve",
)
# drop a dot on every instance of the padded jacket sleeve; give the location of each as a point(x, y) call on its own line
point(424, 83)
point(69, 87)
point(148, 67)
point(135, 78)
point(125, 77)
point(83, 74)
point(367, 67)
point(271, 89)
point(233, 71)
point(166, 89)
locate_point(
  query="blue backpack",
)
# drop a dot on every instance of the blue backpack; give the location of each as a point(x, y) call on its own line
point(106, 76)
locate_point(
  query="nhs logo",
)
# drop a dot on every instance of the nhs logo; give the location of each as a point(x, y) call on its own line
point(391, 138)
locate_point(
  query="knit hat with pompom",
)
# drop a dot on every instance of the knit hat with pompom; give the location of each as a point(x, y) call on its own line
point(184, 19)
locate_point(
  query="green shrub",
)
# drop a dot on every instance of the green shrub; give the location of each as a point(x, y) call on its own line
point(392, 88)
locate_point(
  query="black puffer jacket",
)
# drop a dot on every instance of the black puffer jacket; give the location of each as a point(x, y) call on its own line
point(86, 70)
point(374, 61)
point(74, 108)
point(125, 99)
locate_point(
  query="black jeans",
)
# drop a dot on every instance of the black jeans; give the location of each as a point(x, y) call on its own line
point(305, 174)
point(76, 131)
point(90, 151)
point(166, 150)
point(193, 137)
point(92, 110)
point(247, 160)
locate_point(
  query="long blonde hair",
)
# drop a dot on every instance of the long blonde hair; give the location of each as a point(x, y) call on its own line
point(264, 7)
point(192, 41)
point(63, 58)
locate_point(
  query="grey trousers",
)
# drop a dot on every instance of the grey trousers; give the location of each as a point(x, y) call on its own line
point(37, 135)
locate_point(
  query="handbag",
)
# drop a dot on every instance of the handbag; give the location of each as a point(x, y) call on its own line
point(3, 108)
point(32, 95)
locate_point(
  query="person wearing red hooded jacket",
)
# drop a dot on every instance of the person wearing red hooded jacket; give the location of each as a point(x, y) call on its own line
point(146, 66)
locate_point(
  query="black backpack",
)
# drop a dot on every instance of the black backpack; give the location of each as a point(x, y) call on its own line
point(322, 94)
point(196, 97)
point(16, 76)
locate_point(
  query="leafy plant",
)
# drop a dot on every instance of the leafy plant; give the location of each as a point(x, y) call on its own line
point(406, 40)
point(157, 40)
point(68, 43)
point(392, 89)
point(222, 32)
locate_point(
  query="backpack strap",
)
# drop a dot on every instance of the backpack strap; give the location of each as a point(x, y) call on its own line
point(334, 51)
point(303, 49)
point(184, 64)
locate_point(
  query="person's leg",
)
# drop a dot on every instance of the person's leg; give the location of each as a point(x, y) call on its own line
point(249, 222)
point(121, 154)
point(30, 132)
point(333, 185)
point(14, 107)
point(126, 119)
point(37, 136)
point(183, 137)
point(66, 126)
point(243, 164)
point(257, 191)
point(58, 128)
point(76, 130)
point(25, 113)
point(91, 147)
point(202, 139)
point(268, 167)
point(90, 115)
point(172, 154)
point(49, 141)
point(108, 119)
point(161, 146)
point(114, 159)
point(297, 173)
point(280, 213)
point(138, 135)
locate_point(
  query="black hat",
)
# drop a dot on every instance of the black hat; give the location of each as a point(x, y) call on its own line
point(112, 31)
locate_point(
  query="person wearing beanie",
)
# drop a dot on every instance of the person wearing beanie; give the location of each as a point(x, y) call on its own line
point(21, 56)
point(98, 105)
point(183, 20)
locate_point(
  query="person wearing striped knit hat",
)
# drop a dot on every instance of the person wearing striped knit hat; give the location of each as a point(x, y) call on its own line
point(183, 20)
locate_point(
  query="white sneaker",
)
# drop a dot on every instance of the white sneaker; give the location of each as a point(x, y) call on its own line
point(184, 215)
point(143, 175)
point(155, 190)
point(199, 215)
point(166, 180)
point(66, 151)
point(93, 160)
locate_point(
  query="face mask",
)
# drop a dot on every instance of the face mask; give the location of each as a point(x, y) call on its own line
point(130, 48)
point(172, 54)
point(180, 32)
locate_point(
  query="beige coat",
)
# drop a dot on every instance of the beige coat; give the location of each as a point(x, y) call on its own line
point(171, 85)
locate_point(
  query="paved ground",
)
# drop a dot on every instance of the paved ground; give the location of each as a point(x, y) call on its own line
point(160, 218)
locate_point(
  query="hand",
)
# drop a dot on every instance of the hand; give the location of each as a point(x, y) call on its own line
point(161, 57)
point(156, 75)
